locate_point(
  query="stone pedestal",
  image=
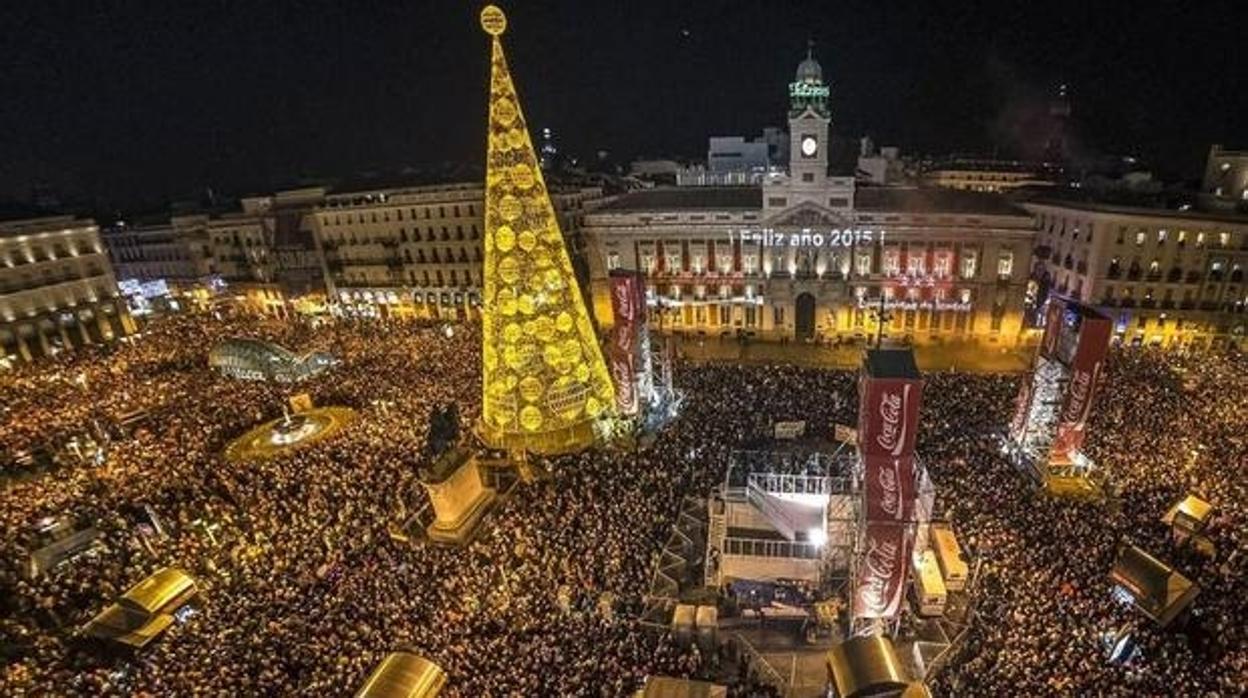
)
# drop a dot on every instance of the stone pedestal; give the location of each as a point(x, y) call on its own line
point(459, 497)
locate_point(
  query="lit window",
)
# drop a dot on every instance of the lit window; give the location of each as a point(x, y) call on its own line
point(914, 264)
point(613, 260)
point(725, 263)
point(968, 265)
point(1200, 238)
point(892, 262)
point(942, 266)
point(1139, 238)
point(1161, 236)
point(965, 295)
point(749, 263)
point(1005, 264)
point(864, 264)
point(1154, 267)
point(698, 264)
point(1224, 239)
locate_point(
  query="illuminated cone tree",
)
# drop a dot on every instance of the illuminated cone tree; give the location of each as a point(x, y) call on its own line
point(544, 380)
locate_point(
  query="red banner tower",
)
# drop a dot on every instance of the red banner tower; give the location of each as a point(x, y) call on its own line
point(1055, 400)
point(890, 390)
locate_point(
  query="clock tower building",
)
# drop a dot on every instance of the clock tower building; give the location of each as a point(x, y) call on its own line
point(809, 120)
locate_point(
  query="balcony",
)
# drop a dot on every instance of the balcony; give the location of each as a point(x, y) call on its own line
point(1114, 272)
point(1134, 274)
point(1174, 276)
point(1192, 277)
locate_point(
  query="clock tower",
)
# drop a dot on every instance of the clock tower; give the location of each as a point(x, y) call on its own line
point(809, 120)
point(808, 124)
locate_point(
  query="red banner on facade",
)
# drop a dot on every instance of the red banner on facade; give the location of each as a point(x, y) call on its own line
point(628, 304)
point(1085, 373)
point(882, 570)
point(888, 416)
point(890, 488)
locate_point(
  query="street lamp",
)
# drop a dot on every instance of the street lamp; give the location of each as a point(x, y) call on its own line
point(881, 316)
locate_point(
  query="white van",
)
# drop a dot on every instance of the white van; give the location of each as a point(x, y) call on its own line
point(949, 556)
point(929, 588)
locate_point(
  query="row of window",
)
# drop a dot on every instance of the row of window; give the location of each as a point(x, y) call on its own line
point(430, 235)
point(426, 278)
point(1215, 270)
point(1060, 227)
point(384, 217)
point(806, 262)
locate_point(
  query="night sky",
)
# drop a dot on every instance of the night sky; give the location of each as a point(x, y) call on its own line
point(130, 103)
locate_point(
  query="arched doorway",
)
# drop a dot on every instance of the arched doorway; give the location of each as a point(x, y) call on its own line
point(804, 318)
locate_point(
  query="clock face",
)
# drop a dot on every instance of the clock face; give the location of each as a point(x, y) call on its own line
point(809, 146)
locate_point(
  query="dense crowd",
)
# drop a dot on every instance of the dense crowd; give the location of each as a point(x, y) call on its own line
point(1165, 424)
point(306, 591)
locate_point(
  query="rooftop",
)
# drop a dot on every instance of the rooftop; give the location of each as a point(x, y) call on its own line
point(932, 200)
point(1152, 211)
point(687, 199)
point(871, 199)
point(891, 363)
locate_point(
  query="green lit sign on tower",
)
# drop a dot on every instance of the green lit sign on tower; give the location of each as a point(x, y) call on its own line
point(806, 90)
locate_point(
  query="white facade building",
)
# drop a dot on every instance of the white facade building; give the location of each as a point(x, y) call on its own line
point(1164, 276)
point(812, 256)
point(57, 289)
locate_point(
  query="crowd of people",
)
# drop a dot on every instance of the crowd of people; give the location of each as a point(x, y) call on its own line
point(305, 590)
point(1165, 424)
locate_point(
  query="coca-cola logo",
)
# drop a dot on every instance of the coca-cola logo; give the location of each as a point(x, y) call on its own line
point(624, 338)
point(623, 297)
point(890, 499)
point(893, 408)
point(1080, 395)
point(875, 588)
point(624, 392)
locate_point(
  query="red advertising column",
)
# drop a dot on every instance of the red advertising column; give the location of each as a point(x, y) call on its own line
point(890, 394)
point(627, 304)
point(1085, 372)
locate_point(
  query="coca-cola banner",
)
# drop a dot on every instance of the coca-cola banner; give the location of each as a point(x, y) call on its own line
point(628, 297)
point(882, 570)
point(890, 488)
point(622, 355)
point(888, 416)
point(1085, 373)
point(628, 306)
point(1022, 407)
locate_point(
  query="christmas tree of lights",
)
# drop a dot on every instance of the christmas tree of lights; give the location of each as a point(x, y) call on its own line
point(543, 376)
